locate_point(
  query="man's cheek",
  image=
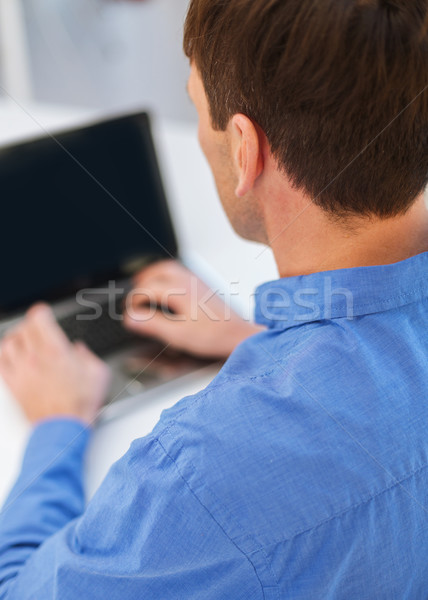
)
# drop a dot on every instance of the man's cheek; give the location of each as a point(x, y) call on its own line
point(208, 148)
point(203, 141)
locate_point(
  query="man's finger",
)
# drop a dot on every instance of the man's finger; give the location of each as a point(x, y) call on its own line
point(161, 295)
point(85, 353)
point(163, 269)
point(22, 336)
point(43, 328)
point(11, 350)
point(153, 323)
point(6, 368)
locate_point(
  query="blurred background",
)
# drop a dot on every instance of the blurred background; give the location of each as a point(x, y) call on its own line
point(107, 55)
point(64, 63)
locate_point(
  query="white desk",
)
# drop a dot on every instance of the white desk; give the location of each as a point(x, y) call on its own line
point(201, 227)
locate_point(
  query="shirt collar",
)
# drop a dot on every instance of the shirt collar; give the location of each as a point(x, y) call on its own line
point(345, 293)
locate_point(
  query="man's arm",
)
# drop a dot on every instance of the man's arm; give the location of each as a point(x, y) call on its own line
point(60, 387)
point(46, 549)
point(144, 535)
point(47, 495)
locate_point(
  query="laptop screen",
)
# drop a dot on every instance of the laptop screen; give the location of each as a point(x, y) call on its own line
point(79, 209)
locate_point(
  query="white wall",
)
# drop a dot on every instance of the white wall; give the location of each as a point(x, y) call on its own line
point(109, 54)
point(14, 55)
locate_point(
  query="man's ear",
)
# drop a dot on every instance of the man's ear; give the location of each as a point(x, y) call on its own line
point(246, 153)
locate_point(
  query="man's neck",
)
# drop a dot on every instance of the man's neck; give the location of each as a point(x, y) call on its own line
point(311, 242)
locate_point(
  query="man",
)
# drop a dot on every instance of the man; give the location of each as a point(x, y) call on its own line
point(301, 471)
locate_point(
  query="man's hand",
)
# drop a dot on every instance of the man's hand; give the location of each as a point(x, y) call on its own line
point(172, 304)
point(49, 376)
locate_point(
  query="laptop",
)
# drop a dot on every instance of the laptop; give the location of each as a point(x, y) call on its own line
point(83, 212)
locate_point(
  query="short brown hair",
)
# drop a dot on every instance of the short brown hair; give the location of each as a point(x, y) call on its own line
point(338, 87)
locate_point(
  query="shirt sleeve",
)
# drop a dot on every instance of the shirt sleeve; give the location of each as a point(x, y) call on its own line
point(143, 535)
point(47, 495)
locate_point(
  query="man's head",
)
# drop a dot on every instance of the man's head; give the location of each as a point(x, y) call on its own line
point(334, 90)
point(225, 153)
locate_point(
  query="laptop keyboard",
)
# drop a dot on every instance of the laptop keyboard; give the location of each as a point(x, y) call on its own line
point(102, 335)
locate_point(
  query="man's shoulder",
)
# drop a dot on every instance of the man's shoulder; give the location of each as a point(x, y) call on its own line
point(254, 433)
point(295, 427)
point(252, 371)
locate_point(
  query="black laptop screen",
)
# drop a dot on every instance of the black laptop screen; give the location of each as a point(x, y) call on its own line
point(79, 210)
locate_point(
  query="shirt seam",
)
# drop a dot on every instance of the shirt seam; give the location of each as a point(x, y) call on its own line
point(403, 295)
point(261, 547)
point(355, 506)
point(416, 283)
point(218, 386)
point(245, 555)
point(338, 314)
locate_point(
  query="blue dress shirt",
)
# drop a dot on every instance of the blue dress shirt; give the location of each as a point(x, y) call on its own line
point(300, 472)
